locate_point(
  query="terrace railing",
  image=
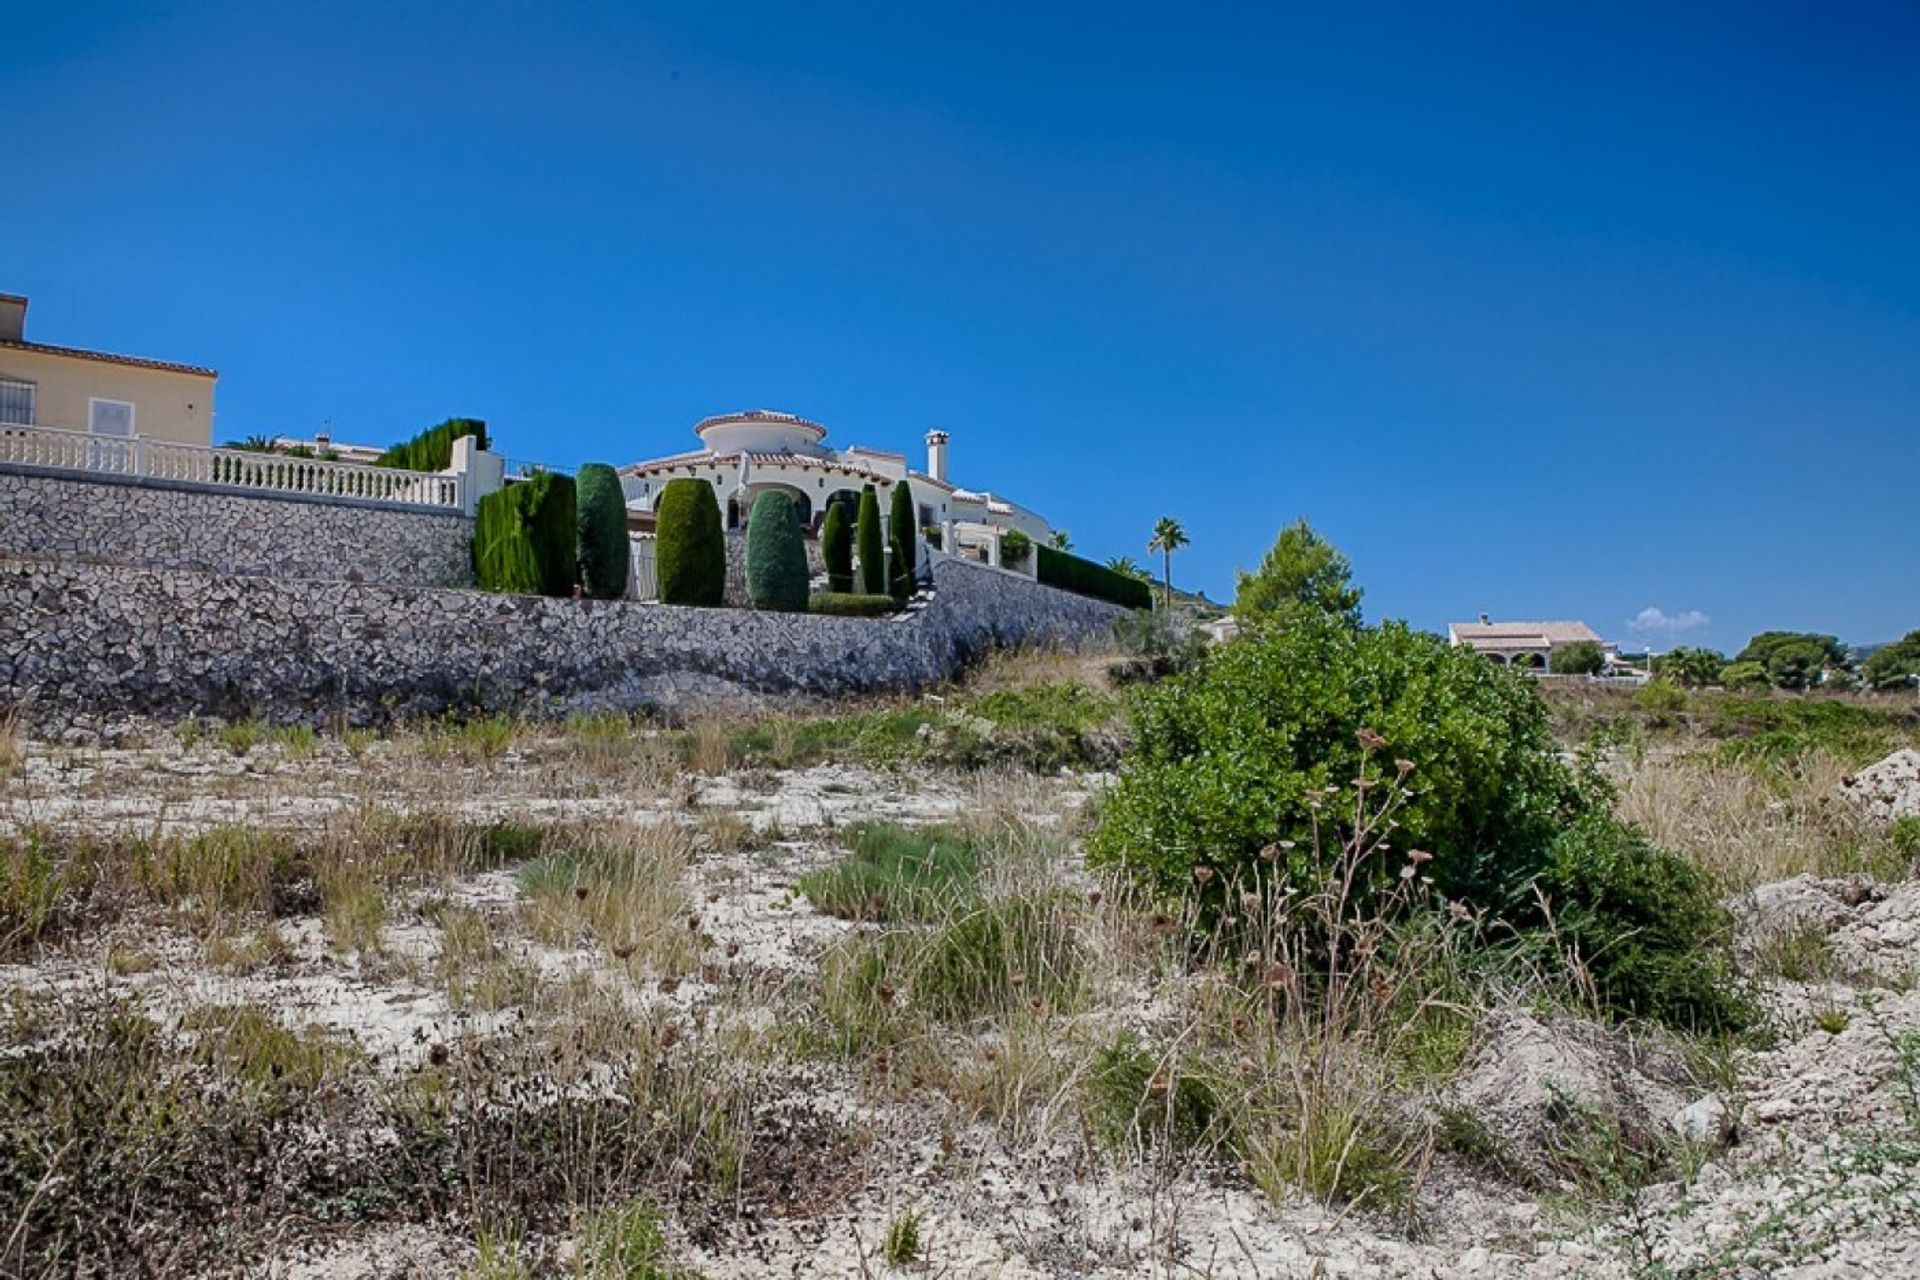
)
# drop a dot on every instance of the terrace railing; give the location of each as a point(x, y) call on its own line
point(142, 457)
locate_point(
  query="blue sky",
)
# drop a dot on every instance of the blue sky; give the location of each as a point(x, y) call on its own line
point(1540, 310)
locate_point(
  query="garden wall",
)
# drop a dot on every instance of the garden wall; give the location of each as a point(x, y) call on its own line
point(164, 525)
point(92, 647)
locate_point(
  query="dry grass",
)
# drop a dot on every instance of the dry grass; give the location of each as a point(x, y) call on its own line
point(1749, 824)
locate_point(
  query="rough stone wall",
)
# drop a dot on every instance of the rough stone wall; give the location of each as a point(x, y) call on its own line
point(89, 647)
point(155, 526)
point(736, 596)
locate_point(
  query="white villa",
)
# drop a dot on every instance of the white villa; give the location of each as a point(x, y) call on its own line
point(745, 454)
point(1524, 644)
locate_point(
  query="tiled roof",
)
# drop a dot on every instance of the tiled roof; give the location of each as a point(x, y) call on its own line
point(1563, 632)
point(138, 362)
point(707, 458)
point(759, 415)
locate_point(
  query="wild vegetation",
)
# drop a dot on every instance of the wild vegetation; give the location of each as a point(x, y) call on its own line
point(1192, 953)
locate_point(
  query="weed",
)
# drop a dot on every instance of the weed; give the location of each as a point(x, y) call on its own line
point(896, 873)
point(242, 736)
point(1138, 1100)
point(127, 961)
point(299, 740)
point(625, 1242)
point(901, 1247)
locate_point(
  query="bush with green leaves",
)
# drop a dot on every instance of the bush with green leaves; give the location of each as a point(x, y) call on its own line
point(849, 604)
point(1256, 750)
point(1015, 547)
point(1795, 659)
point(901, 537)
point(524, 537)
point(871, 543)
point(1645, 922)
point(776, 555)
point(1744, 676)
point(432, 449)
point(1690, 667)
point(836, 549)
point(690, 551)
point(601, 532)
point(1579, 658)
point(1895, 665)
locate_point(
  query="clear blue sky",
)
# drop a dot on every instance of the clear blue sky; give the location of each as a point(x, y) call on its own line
point(1543, 310)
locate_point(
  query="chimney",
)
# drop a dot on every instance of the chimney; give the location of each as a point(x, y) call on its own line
point(937, 455)
point(1484, 620)
point(13, 317)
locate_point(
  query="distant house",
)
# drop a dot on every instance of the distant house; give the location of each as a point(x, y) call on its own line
point(97, 393)
point(1523, 644)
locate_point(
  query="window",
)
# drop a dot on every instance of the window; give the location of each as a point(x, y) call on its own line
point(110, 417)
point(926, 515)
point(16, 402)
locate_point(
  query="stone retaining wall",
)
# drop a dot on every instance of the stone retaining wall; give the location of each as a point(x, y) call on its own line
point(160, 525)
point(90, 647)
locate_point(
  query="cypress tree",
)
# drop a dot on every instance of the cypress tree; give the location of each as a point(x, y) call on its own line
point(836, 548)
point(776, 555)
point(601, 523)
point(867, 536)
point(690, 551)
point(902, 535)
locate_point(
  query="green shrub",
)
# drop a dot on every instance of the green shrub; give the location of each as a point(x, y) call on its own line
point(901, 536)
point(601, 532)
point(1083, 577)
point(432, 449)
point(896, 873)
point(847, 604)
point(1647, 924)
point(1260, 744)
point(867, 537)
point(1015, 547)
point(1661, 699)
point(776, 555)
point(523, 537)
point(1581, 658)
point(1893, 666)
point(836, 549)
point(690, 551)
point(1136, 1100)
point(1744, 676)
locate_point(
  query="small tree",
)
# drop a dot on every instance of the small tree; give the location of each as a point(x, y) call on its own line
point(1301, 571)
point(836, 549)
point(690, 551)
point(1168, 537)
point(1795, 659)
point(901, 536)
point(1015, 547)
point(871, 543)
point(1062, 540)
point(1580, 658)
point(601, 524)
point(776, 555)
point(1893, 666)
point(1689, 666)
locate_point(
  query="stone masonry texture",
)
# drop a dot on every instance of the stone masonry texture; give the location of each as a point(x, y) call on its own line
point(87, 647)
point(163, 527)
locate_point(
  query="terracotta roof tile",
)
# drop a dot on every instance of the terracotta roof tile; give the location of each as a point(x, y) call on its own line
point(138, 362)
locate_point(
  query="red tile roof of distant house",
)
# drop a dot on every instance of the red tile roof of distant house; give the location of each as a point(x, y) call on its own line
point(76, 353)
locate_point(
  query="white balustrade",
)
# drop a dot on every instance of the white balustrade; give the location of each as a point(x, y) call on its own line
point(241, 469)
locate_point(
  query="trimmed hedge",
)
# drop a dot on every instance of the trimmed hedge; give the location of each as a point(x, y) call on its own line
point(690, 551)
point(868, 538)
point(601, 532)
point(836, 548)
point(901, 533)
point(523, 537)
point(432, 449)
point(1069, 572)
point(776, 555)
point(850, 604)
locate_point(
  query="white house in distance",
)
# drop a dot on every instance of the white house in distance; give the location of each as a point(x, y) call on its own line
point(745, 454)
point(1523, 644)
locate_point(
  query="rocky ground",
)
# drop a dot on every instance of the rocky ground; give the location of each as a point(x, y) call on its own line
point(1799, 1158)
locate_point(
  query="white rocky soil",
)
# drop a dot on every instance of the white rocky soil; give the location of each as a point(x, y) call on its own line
point(1805, 1161)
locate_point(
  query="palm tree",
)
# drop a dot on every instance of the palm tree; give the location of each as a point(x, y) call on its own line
point(1168, 537)
point(1062, 540)
point(1129, 566)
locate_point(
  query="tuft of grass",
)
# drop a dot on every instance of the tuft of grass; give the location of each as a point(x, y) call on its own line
point(896, 873)
point(1139, 1100)
point(299, 740)
point(623, 888)
point(126, 961)
point(901, 1246)
point(257, 1048)
point(242, 736)
point(625, 1242)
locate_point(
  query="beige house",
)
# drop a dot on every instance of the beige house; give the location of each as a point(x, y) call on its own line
point(1523, 644)
point(70, 389)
